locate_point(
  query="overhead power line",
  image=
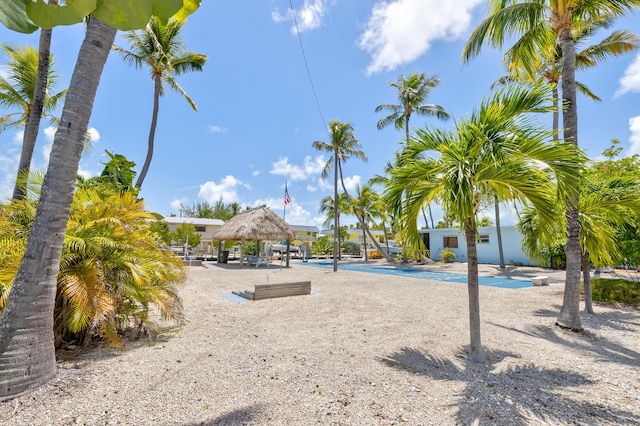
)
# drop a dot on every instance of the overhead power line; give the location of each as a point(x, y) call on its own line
point(306, 64)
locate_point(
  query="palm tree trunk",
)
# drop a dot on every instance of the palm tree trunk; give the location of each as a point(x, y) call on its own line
point(33, 122)
point(476, 353)
point(336, 228)
point(499, 232)
point(588, 293)
point(431, 216)
point(569, 316)
point(424, 215)
point(556, 110)
point(387, 256)
point(364, 244)
point(27, 353)
point(152, 132)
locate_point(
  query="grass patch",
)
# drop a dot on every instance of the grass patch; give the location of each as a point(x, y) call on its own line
point(616, 290)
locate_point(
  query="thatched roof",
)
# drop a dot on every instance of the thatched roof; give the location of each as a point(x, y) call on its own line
point(257, 224)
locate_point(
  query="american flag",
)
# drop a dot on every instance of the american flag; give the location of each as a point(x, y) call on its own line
point(287, 199)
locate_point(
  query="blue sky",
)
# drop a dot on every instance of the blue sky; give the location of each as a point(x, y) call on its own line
point(257, 117)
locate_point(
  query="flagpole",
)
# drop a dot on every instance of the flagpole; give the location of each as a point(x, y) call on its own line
point(284, 216)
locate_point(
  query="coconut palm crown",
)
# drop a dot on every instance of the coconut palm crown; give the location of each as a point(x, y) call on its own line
point(161, 48)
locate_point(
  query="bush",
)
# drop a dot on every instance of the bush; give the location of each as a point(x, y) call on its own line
point(351, 248)
point(616, 290)
point(112, 270)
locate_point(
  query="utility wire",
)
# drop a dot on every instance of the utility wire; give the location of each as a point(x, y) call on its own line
point(306, 64)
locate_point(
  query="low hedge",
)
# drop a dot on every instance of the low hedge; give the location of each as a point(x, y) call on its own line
point(616, 290)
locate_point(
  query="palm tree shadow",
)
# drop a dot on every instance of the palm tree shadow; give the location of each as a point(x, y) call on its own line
point(240, 416)
point(603, 348)
point(618, 320)
point(516, 395)
point(551, 312)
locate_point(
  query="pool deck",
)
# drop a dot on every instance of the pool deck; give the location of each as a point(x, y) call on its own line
point(509, 277)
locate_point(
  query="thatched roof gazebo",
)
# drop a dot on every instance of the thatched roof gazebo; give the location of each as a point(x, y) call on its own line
point(259, 224)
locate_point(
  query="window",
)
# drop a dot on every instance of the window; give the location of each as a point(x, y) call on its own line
point(200, 228)
point(450, 242)
point(483, 239)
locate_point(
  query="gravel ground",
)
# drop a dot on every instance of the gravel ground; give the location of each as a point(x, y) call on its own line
point(363, 349)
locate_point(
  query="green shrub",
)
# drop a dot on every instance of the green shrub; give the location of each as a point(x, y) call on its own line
point(616, 291)
point(349, 247)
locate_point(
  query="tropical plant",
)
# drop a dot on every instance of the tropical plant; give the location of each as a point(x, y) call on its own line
point(160, 46)
point(607, 205)
point(26, 323)
point(111, 268)
point(412, 92)
point(29, 79)
point(327, 206)
point(343, 146)
point(447, 255)
point(186, 234)
point(498, 144)
point(367, 206)
point(532, 20)
point(323, 246)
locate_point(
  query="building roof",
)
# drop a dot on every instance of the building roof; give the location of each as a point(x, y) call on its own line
point(329, 231)
point(304, 228)
point(193, 221)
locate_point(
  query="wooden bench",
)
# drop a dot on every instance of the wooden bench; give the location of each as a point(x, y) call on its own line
point(270, 291)
point(540, 280)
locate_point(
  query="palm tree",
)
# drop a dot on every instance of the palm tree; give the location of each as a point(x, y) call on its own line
point(496, 144)
point(413, 91)
point(343, 146)
point(532, 19)
point(607, 205)
point(160, 47)
point(28, 314)
point(30, 77)
point(327, 207)
point(367, 207)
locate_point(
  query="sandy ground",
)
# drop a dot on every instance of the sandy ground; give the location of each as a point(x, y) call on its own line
point(363, 349)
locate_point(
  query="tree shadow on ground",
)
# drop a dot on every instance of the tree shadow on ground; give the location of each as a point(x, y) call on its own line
point(516, 395)
point(622, 320)
point(601, 347)
point(240, 416)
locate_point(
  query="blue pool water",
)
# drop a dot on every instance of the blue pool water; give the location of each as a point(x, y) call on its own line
point(427, 275)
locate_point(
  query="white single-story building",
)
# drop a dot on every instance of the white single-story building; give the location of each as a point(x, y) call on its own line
point(205, 227)
point(438, 239)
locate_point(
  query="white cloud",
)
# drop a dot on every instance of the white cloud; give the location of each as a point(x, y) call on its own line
point(177, 204)
point(351, 183)
point(94, 135)
point(227, 189)
point(311, 166)
point(9, 160)
point(630, 80)
point(309, 17)
point(255, 173)
point(217, 129)
point(49, 134)
point(399, 31)
point(312, 188)
point(634, 126)
point(295, 214)
point(325, 184)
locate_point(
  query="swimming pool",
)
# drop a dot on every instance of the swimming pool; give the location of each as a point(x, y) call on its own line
point(427, 275)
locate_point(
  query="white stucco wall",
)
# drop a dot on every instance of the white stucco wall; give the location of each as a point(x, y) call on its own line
point(487, 252)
